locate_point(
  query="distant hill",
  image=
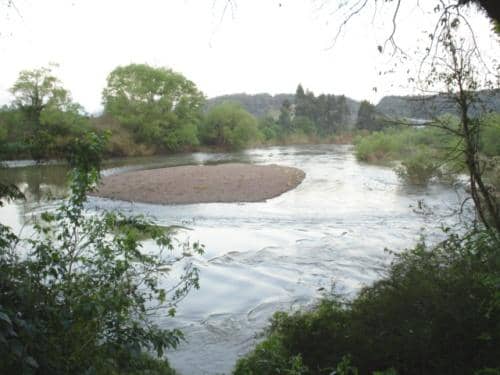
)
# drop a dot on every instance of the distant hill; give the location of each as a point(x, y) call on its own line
point(258, 105)
point(427, 107)
point(261, 105)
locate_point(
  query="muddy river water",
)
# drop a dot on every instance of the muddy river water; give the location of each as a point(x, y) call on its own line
point(327, 234)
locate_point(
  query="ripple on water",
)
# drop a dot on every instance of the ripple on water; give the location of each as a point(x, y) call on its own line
point(285, 253)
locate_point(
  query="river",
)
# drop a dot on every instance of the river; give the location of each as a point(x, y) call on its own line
point(328, 234)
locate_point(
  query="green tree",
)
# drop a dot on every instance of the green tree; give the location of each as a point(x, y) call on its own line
point(161, 106)
point(269, 128)
point(328, 113)
point(457, 75)
point(367, 117)
point(229, 125)
point(79, 296)
point(285, 118)
point(343, 112)
point(36, 90)
point(300, 101)
point(43, 115)
point(432, 299)
point(304, 125)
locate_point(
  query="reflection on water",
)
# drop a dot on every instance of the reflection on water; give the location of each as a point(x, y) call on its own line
point(37, 181)
point(276, 255)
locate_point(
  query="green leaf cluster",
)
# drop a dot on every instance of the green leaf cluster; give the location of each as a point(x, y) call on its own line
point(437, 311)
point(160, 106)
point(228, 125)
point(81, 295)
point(42, 118)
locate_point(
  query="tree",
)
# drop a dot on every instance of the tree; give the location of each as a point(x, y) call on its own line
point(490, 6)
point(161, 106)
point(36, 90)
point(229, 125)
point(80, 294)
point(43, 115)
point(455, 74)
point(299, 93)
point(327, 112)
point(444, 9)
point(286, 115)
point(343, 112)
point(367, 117)
point(269, 128)
point(430, 299)
point(300, 101)
point(304, 124)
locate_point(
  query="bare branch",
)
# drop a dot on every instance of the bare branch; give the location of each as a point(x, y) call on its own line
point(354, 11)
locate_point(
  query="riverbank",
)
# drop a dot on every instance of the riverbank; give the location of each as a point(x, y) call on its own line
point(234, 182)
point(120, 146)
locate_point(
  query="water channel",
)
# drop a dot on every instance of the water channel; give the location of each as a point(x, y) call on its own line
point(327, 234)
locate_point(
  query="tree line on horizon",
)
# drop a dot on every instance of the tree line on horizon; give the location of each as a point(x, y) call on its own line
point(153, 110)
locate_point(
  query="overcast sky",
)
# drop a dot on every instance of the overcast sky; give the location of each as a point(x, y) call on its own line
point(256, 46)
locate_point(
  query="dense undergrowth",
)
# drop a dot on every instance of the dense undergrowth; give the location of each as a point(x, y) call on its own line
point(421, 154)
point(437, 311)
point(79, 294)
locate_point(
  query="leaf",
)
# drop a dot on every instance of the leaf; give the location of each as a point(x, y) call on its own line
point(31, 362)
point(5, 318)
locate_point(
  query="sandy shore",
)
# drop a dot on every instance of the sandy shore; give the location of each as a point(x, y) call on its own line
point(202, 184)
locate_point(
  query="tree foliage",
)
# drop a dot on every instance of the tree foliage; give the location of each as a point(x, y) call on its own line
point(437, 311)
point(160, 106)
point(80, 294)
point(286, 115)
point(38, 89)
point(329, 113)
point(368, 118)
point(229, 125)
point(459, 73)
point(42, 117)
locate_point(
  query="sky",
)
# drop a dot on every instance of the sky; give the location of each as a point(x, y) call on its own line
point(250, 46)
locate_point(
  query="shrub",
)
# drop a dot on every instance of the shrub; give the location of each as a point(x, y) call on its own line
point(378, 146)
point(420, 167)
point(79, 295)
point(305, 125)
point(490, 135)
point(269, 128)
point(229, 125)
point(436, 312)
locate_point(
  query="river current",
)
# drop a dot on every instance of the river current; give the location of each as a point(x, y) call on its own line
point(327, 235)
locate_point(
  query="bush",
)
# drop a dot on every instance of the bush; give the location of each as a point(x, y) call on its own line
point(378, 146)
point(78, 296)
point(270, 357)
point(398, 143)
point(436, 312)
point(424, 152)
point(11, 150)
point(490, 135)
point(302, 124)
point(420, 167)
point(229, 125)
point(269, 128)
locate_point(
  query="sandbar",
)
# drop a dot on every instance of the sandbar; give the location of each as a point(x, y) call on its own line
point(234, 182)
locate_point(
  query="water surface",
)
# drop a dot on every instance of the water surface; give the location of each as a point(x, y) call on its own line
point(328, 233)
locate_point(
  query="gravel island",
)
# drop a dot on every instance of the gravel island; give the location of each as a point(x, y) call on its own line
point(201, 184)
